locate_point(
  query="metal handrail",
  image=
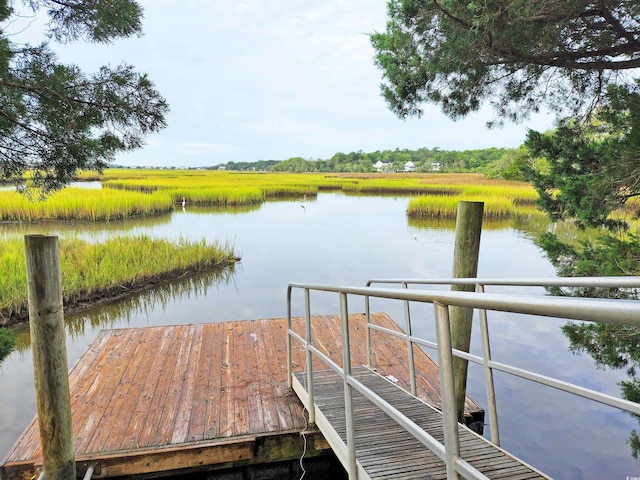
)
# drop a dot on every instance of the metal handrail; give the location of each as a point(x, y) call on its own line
point(480, 283)
point(604, 282)
point(623, 312)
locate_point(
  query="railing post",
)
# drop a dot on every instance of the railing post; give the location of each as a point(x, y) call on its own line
point(352, 469)
point(289, 344)
point(367, 316)
point(488, 373)
point(447, 390)
point(307, 318)
point(51, 375)
point(412, 366)
point(465, 265)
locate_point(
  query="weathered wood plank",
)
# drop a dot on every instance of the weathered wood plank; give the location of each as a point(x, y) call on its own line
point(197, 423)
point(187, 400)
point(227, 405)
point(214, 391)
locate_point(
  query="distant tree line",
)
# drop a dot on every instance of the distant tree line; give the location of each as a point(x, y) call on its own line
point(494, 162)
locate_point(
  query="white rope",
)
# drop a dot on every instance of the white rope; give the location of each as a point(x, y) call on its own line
point(304, 438)
point(304, 432)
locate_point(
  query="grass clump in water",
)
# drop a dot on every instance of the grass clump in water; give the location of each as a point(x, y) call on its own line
point(92, 271)
point(440, 206)
point(83, 205)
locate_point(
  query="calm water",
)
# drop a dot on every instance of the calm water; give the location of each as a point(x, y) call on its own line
point(341, 239)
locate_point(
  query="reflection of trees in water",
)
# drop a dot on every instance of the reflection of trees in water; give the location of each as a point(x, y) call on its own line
point(532, 224)
point(610, 346)
point(122, 311)
point(613, 346)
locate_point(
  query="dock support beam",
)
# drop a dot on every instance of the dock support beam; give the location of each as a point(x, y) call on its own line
point(46, 323)
point(465, 265)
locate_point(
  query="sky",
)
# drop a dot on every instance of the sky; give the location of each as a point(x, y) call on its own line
point(252, 80)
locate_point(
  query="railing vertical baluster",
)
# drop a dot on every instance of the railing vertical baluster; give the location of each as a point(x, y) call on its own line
point(352, 470)
point(367, 316)
point(488, 373)
point(412, 365)
point(307, 318)
point(289, 345)
point(447, 390)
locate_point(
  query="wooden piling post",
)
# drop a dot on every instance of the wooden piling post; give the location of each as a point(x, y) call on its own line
point(465, 264)
point(46, 321)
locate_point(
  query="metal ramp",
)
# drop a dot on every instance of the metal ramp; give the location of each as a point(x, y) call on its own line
point(383, 448)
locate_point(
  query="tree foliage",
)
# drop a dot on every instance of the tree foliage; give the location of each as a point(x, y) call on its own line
point(608, 256)
point(594, 166)
point(498, 162)
point(517, 54)
point(611, 346)
point(55, 118)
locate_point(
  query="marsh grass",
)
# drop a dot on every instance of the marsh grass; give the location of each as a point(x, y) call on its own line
point(82, 204)
point(91, 270)
point(225, 188)
point(441, 206)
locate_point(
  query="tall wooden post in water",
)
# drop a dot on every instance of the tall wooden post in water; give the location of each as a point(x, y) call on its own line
point(46, 320)
point(465, 264)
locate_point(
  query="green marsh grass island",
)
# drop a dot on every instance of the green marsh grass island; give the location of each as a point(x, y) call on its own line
point(95, 272)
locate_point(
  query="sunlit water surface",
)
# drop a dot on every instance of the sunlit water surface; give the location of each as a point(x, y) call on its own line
point(338, 239)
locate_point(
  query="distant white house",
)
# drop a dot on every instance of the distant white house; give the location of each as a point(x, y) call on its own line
point(409, 166)
point(435, 167)
point(382, 166)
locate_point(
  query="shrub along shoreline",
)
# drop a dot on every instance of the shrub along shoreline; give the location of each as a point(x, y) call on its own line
point(95, 273)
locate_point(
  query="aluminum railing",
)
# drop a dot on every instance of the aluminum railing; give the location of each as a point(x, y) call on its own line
point(624, 312)
point(485, 361)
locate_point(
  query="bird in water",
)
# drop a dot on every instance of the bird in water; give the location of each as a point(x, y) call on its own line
point(184, 201)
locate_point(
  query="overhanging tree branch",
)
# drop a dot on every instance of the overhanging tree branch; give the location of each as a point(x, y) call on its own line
point(60, 119)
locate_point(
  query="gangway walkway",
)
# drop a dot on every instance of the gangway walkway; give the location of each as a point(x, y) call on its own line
point(355, 408)
point(384, 450)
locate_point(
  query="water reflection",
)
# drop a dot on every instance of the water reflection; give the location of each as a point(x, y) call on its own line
point(615, 347)
point(87, 230)
point(450, 223)
point(120, 314)
point(90, 185)
point(221, 209)
point(532, 224)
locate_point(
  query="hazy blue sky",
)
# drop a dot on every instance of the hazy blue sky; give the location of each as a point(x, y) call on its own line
point(272, 79)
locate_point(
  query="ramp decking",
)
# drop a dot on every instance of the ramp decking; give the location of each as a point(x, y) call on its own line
point(384, 450)
point(189, 397)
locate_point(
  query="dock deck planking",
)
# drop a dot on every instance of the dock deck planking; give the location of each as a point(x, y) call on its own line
point(384, 449)
point(154, 399)
point(205, 370)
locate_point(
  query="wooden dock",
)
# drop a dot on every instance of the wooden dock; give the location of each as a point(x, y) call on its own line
point(185, 398)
